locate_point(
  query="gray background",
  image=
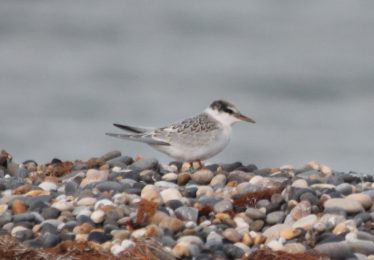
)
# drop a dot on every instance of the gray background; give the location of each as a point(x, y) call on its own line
point(302, 69)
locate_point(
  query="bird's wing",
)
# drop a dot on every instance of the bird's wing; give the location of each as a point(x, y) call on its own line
point(133, 129)
point(144, 138)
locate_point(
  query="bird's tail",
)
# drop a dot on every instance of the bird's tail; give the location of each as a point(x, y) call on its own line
point(133, 129)
point(139, 138)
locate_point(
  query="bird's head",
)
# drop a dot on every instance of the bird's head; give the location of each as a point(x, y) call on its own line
point(226, 113)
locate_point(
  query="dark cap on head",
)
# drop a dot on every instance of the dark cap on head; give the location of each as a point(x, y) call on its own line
point(223, 106)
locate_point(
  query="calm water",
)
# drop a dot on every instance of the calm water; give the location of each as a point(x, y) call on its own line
point(303, 70)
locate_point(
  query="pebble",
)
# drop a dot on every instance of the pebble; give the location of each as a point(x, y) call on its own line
point(349, 206)
point(335, 250)
point(50, 213)
point(48, 186)
point(222, 206)
point(63, 205)
point(183, 178)
point(273, 232)
point(87, 201)
point(300, 183)
point(3, 208)
point(99, 237)
point(275, 217)
point(151, 193)
point(170, 177)
point(172, 224)
point(187, 213)
point(19, 206)
point(170, 194)
point(233, 252)
point(98, 216)
point(290, 233)
point(202, 177)
point(363, 199)
point(93, 176)
point(219, 179)
point(302, 209)
point(144, 164)
point(232, 235)
point(255, 213)
point(306, 222)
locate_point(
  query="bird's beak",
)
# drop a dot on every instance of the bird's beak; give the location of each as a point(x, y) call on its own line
point(244, 118)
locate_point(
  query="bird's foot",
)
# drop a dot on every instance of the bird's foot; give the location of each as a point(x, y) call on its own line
point(194, 166)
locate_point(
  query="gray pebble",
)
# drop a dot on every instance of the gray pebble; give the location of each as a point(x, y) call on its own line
point(145, 164)
point(187, 213)
point(223, 205)
point(5, 218)
point(12, 182)
point(50, 240)
point(71, 188)
point(24, 235)
point(24, 217)
point(110, 155)
point(50, 213)
point(121, 161)
point(99, 237)
point(275, 217)
point(255, 213)
point(108, 186)
point(233, 252)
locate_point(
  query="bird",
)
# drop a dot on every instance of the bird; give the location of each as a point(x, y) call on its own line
point(194, 139)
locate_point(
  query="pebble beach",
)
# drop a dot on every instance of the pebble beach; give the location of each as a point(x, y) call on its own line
point(117, 207)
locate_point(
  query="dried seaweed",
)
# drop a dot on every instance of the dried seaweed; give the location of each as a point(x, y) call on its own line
point(267, 254)
point(11, 249)
point(250, 199)
point(145, 208)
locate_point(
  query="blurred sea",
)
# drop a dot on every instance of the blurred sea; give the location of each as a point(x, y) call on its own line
point(304, 70)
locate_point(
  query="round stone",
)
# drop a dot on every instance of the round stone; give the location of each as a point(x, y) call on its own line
point(48, 186)
point(98, 216)
point(275, 217)
point(306, 222)
point(171, 194)
point(255, 213)
point(183, 178)
point(363, 199)
point(50, 213)
point(19, 206)
point(87, 201)
point(302, 209)
point(203, 176)
point(171, 176)
point(348, 205)
point(273, 232)
point(223, 205)
point(187, 213)
point(151, 193)
point(300, 183)
point(232, 235)
point(290, 233)
point(63, 205)
point(219, 179)
point(99, 237)
point(3, 208)
point(93, 176)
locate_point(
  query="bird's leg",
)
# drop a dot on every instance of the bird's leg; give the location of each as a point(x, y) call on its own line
point(200, 164)
point(191, 169)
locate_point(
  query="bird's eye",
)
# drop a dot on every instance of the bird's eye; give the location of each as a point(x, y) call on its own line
point(228, 110)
